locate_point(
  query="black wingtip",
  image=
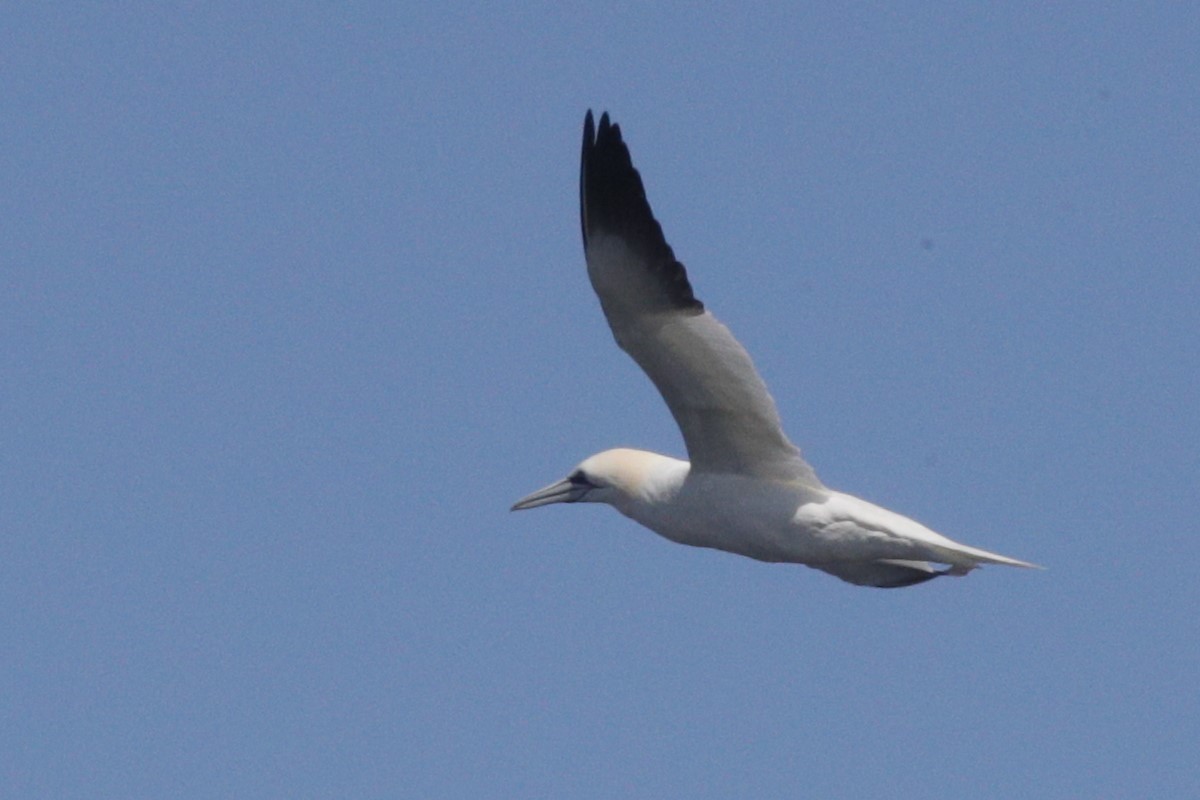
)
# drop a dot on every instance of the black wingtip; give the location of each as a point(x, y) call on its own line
point(612, 197)
point(589, 141)
point(589, 131)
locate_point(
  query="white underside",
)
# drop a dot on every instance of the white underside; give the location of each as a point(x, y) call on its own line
point(788, 522)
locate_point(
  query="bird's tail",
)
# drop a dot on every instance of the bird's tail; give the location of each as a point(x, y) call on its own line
point(967, 558)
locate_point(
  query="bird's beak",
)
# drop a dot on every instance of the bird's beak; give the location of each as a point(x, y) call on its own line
point(562, 492)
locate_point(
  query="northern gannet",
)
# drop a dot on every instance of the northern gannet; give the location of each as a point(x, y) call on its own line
point(746, 490)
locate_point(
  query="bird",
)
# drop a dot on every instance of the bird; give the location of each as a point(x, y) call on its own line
point(745, 488)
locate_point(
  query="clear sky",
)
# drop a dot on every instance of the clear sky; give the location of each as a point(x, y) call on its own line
point(293, 307)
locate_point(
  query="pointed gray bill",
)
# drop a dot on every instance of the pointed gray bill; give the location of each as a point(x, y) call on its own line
point(562, 492)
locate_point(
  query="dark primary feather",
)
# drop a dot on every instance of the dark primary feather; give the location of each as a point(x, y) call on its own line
point(613, 200)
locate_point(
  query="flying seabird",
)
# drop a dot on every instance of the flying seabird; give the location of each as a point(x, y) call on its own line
point(746, 489)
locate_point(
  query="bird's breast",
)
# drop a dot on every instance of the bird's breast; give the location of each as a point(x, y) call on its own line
point(737, 514)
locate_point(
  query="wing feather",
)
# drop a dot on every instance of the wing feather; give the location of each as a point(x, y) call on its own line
point(728, 419)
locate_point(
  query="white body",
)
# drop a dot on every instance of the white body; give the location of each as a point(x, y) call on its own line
point(776, 520)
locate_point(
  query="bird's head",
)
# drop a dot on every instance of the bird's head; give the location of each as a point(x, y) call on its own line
point(615, 477)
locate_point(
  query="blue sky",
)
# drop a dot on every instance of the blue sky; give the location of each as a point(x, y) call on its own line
point(293, 308)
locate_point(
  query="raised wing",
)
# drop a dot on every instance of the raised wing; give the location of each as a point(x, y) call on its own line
point(727, 417)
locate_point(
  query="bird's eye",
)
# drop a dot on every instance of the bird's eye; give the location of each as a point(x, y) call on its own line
point(577, 478)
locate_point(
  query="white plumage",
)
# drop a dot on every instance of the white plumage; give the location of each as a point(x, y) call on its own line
point(747, 489)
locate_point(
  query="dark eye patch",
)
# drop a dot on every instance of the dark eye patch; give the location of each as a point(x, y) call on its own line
point(577, 478)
